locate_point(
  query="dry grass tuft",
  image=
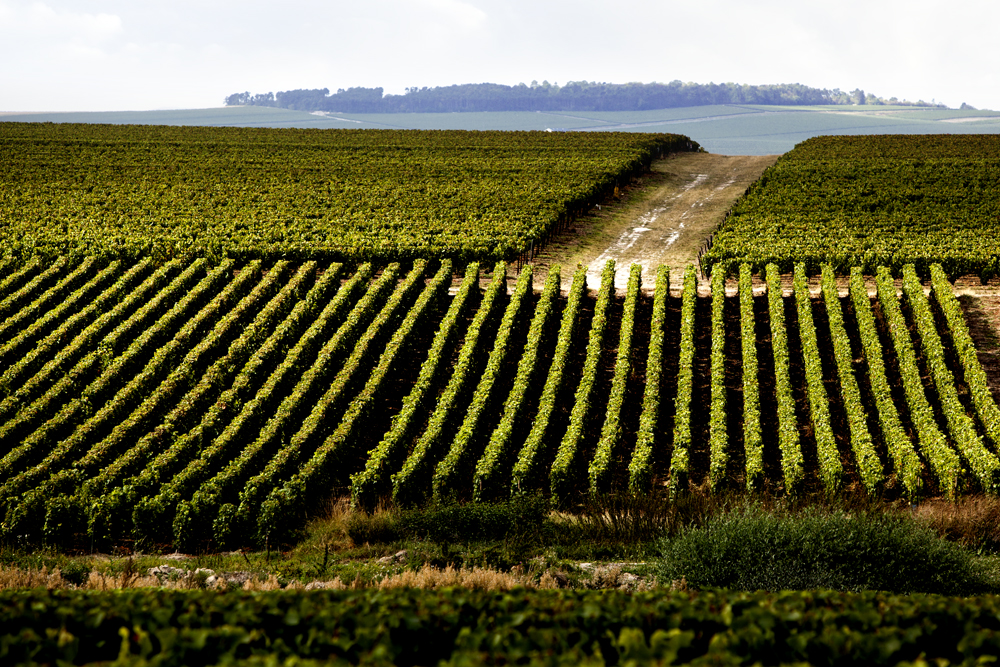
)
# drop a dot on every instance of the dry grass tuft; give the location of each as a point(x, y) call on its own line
point(109, 582)
point(15, 578)
point(477, 578)
point(973, 521)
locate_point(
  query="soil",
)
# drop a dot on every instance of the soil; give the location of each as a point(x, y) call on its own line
point(663, 218)
point(982, 313)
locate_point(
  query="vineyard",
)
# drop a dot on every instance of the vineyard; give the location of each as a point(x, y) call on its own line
point(130, 192)
point(218, 405)
point(462, 627)
point(871, 201)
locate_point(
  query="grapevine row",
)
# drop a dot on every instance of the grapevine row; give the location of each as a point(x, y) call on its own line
point(205, 504)
point(20, 374)
point(718, 445)
point(984, 464)
point(105, 430)
point(300, 448)
point(640, 469)
point(411, 483)
point(830, 467)
point(202, 451)
point(975, 377)
point(104, 493)
point(61, 427)
point(563, 475)
point(493, 469)
point(788, 432)
point(942, 458)
point(371, 484)
point(680, 456)
point(527, 470)
point(752, 441)
point(452, 470)
point(40, 315)
point(905, 461)
point(236, 399)
point(600, 469)
point(293, 499)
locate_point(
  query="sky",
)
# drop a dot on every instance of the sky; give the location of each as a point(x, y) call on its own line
point(116, 55)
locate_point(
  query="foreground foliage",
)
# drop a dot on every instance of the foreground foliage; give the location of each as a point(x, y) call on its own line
point(460, 627)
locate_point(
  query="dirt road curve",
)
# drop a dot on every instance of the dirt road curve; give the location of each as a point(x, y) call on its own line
point(662, 220)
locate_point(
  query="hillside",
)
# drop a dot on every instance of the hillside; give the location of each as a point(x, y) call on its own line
point(724, 129)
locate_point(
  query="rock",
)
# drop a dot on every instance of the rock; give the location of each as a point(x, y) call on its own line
point(230, 579)
point(398, 557)
point(324, 585)
point(562, 581)
point(161, 571)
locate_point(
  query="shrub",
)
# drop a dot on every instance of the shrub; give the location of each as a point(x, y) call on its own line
point(752, 550)
point(75, 572)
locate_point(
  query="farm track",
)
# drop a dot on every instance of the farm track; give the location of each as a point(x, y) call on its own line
point(134, 465)
point(663, 218)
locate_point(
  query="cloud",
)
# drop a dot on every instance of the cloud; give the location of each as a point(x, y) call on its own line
point(40, 21)
point(188, 53)
point(462, 14)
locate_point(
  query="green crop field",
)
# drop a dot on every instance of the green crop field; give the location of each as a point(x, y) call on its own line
point(135, 191)
point(213, 406)
point(870, 201)
point(208, 334)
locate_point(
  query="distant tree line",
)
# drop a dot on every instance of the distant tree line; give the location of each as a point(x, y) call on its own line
point(573, 96)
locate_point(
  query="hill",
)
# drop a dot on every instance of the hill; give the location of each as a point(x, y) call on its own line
point(728, 129)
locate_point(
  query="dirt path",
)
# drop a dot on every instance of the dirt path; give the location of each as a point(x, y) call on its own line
point(662, 219)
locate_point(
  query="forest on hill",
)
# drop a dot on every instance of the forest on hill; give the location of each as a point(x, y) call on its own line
point(573, 96)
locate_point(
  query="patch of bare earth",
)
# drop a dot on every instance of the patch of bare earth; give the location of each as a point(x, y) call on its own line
point(663, 218)
point(982, 313)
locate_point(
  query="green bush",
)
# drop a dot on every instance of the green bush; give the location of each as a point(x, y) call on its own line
point(753, 550)
point(75, 572)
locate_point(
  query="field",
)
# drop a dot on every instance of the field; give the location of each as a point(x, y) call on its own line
point(725, 129)
point(876, 201)
point(303, 351)
point(218, 406)
point(137, 191)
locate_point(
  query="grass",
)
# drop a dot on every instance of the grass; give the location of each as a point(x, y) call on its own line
point(817, 548)
point(607, 542)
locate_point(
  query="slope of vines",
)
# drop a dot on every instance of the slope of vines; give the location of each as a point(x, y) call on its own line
point(134, 191)
point(871, 201)
point(221, 405)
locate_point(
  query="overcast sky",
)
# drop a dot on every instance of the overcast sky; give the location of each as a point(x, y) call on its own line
point(103, 55)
